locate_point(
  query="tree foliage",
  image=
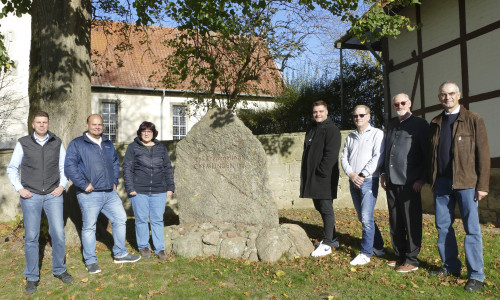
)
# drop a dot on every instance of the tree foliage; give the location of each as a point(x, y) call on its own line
point(228, 48)
point(293, 111)
point(227, 45)
point(226, 55)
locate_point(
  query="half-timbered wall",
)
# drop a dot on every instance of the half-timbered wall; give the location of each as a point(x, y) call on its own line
point(458, 40)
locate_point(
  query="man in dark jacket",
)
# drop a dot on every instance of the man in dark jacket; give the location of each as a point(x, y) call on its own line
point(320, 173)
point(459, 172)
point(92, 165)
point(403, 176)
point(40, 156)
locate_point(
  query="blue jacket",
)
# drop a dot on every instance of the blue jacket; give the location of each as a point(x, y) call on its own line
point(147, 172)
point(86, 163)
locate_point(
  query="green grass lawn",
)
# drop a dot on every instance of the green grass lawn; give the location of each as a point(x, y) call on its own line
point(328, 277)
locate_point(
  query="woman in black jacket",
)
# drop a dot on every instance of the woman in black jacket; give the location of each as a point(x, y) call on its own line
point(149, 181)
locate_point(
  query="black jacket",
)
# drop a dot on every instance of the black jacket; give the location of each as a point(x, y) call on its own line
point(147, 172)
point(406, 147)
point(320, 162)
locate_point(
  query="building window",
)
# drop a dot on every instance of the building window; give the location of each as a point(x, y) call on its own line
point(109, 120)
point(179, 122)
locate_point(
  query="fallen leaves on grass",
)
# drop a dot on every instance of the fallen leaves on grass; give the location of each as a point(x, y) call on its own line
point(280, 273)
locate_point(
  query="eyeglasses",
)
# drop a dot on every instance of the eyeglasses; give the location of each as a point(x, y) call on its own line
point(359, 116)
point(402, 103)
point(443, 95)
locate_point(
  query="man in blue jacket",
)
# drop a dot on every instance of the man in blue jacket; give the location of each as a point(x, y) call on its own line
point(92, 165)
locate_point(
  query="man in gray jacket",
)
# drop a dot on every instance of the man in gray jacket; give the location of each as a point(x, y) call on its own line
point(361, 158)
point(402, 178)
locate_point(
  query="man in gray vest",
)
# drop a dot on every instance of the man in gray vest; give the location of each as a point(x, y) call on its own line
point(403, 177)
point(41, 158)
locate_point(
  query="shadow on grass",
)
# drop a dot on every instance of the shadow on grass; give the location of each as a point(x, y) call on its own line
point(315, 232)
point(169, 219)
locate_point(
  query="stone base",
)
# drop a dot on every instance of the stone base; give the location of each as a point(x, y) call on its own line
point(227, 240)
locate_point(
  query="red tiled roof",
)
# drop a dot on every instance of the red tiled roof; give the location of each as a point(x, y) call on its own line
point(116, 63)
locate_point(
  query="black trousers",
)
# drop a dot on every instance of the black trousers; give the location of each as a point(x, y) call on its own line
point(405, 220)
point(325, 208)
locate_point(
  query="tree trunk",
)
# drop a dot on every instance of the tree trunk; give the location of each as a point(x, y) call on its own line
point(59, 81)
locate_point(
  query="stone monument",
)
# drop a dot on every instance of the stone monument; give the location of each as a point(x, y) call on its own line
point(225, 205)
point(221, 174)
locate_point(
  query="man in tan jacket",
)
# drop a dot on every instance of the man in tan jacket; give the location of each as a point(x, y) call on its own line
point(459, 173)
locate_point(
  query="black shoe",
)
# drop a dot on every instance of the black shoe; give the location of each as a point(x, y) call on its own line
point(473, 285)
point(443, 272)
point(93, 268)
point(64, 277)
point(31, 287)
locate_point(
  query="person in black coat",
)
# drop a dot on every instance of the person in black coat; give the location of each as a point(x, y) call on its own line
point(319, 174)
point(149, 181)
point(403, 177)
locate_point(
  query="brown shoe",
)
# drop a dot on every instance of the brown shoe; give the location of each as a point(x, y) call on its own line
point(405, 268)
point(162, 256)
point(394, 263)
point(145, 252)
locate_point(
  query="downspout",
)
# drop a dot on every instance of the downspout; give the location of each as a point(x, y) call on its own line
point(339, 45)
point(161, 114)
point(385, 82)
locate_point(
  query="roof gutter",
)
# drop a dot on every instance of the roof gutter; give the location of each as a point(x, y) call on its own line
point(164, 91)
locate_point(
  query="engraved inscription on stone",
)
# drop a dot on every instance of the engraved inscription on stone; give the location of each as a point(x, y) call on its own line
point(220, 162)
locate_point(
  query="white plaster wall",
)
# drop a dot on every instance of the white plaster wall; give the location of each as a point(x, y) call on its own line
point(402, 80)
point(440, 22)
point(17, 33)
point(133, 109)
point(486, 109)
point(401, 47)
point(439, 68)
point(483, 54)
point(481, 13)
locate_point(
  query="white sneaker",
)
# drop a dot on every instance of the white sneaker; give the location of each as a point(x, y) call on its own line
point(322, 250)
point(359, 260)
